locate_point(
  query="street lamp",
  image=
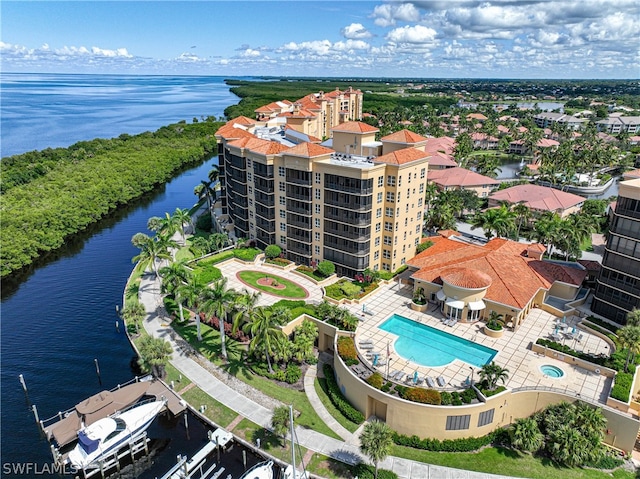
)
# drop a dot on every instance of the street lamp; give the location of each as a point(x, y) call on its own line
point(471, 367)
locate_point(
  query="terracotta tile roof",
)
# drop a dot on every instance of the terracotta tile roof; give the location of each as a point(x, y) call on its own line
point(446, 144)
point(459, 177)
point(515, 279)
point(440, 159)
point(355, 127)
point(503, 129)
point(476, 116)
point(230, 132)
point(466, 278)
point(258, 145)
point(591, 265)
point(401, 157)
point(274, 107)
point(309, 150)
point(404, 136)
point(538, 197)
point(242, 120)
point(536, 247)
point(546, 143)
point(628, 175)
point(301, 113)
point(448, 233)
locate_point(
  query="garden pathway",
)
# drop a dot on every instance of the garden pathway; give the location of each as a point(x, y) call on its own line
point(156, 323)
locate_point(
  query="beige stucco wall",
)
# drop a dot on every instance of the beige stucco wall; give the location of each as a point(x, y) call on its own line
point(563, 290)
point(351, 143)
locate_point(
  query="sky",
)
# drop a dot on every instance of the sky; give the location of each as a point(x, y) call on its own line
point(572, 39)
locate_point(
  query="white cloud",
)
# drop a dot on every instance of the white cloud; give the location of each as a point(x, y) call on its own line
point(388, 14)
point(412, 34)
point(355, 31)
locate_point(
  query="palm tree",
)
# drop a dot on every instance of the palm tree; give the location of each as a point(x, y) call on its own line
point(152, 250)
point(464, 147)
point(182, 218)
point(629, 338)
point(191, 294)
point(264, 332)
point(376, 441)
point(168, 225)
point(500, 221)
point(492, 373)
point(441, 218)
point(304, 338)
point(633, 317)
point(430, 193)
point(133, 313)
point(593, 423)
point(522, 214)
point(280, 422)
point(218, 300)
point(174, 275)
point(154, 355)
point(244, 307)
point(545, 229)
point(525, 435)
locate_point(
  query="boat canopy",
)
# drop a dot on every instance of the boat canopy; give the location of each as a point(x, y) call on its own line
point(95, 403)
point(89, 445)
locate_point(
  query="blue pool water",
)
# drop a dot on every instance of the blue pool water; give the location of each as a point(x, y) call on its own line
point(552, 371)
point(427, 346)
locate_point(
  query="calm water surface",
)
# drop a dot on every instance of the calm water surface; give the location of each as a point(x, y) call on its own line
point(60, 316)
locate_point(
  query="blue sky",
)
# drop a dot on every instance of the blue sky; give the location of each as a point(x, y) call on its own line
point(434, 38)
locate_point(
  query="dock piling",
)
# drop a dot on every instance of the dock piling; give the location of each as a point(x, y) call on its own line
point(35, 413)
point(95, 360)
point(24, 385)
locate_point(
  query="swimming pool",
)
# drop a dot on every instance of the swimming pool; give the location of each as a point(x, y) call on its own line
point(427, 346)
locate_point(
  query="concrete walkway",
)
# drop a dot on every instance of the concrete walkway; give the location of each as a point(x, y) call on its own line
point(157, 324)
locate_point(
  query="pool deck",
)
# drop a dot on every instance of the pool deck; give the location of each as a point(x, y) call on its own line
point(513, 347)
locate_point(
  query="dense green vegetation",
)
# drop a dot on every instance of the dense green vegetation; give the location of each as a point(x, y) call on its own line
point(51, 194)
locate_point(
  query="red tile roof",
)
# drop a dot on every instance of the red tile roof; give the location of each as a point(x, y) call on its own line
point(546, 143)
point(309, 150)
point(476, 116)
point(459, 177)
point(258, 145)
point(355, 127)
point(230, 132)
point(401, 157)
point(538, 197)
point(404, 136)
point(466, 278)
point(515, 279)
point(440, 159)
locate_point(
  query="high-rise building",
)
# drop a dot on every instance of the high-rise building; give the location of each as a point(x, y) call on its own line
point(618, 284)
point(348, 203)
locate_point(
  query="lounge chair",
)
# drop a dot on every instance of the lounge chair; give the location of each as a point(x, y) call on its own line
point(365, 341)
point(580, 337)
point(366, 346)
point(420, 381)
point(392, 374)
point(441, 381)
point(399, 375)
point(430, 382)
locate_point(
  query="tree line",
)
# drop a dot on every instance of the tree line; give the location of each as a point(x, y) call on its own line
point(51, 194)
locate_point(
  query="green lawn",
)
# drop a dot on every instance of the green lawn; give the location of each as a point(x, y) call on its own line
point(179, 381)
point(324, 466)
point(504, 461)
point(291, 290)
point(320, 384)
point(216, 411)
point(237, 366)
point(269, 442)
point(184, 254)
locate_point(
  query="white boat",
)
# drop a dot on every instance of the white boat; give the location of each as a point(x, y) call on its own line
point(262, 470)
point(105, 437)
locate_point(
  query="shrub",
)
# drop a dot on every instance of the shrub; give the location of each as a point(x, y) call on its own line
point(347, 350)
point(401, 389)
point(607, 461)
point(375, 380)
point(326, 268)
point(293, 373)
point(272, 251)
point(423, 246)
point(445, 398)
point(455, 398)
point(204, 223)
point(622, 387)
point(350, 289)
point(467, 444)
point(605, 324)
point(468, 395)
point(279, 261)
point(365, 471)
point(387, 387)
point(492, 392)
point(388, 275)
point(207, 273)
point(421, 395)
point(246, 254)
point(338, 400)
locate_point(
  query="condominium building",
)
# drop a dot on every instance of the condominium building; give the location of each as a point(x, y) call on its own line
point(547, 119)
point(348, 204)
point(619, 124)
point(618, 284)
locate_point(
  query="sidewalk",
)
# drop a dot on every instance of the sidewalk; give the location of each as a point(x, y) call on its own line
point(157, 325)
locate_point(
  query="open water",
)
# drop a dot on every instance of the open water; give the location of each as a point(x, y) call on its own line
point(60, 315)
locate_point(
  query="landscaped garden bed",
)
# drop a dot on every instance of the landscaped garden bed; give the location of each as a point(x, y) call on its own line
point(272, 284)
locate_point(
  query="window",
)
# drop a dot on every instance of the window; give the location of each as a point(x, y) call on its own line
point(385, 267)
point(317, 209)
point(391, 196)
point(417, 230)
point(251, 226)
point(250, 202)
point(378, 212)
point(388, 226)
point(317, 191)
point(406, 208)
point(283, 227)
point(388, 212)
point(422, 173)
point(251, 190)
point(376, 255)
point(485, 417)
point(405, 235)
point(248, 163)
point(419, 216)
point(283, 239)
point(417, 241)
point(250, 214)
point(409, 177)
point(403, 261)
point(386, 254)
point(281, 171)
point(380, 197)
point(380, 180)
point(249, 177)
point(421, 189)
point(377, 241)
point(406, 222)
point(419, 203)
point(395, 241)
point(404, 250)
point(408, 193)
point(456, 423)
point(377, 227)
point(318, 177)
point(317, 221)
point(283, 214)
point(391, 180)
point(399, 180)
point(283, 201)
point(387, 240)
point(281, 186)
point(397, 225)
point(398, 211)
point(317, 236)
point(316, 249)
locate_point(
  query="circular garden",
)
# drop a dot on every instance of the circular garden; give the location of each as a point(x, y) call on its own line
point(272, 284)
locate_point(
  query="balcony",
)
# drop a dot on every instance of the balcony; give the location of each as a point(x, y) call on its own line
point(264, 199)
point(346, 216)
point(344, 259)
point(268, 226)
point(352, 247)
point(297, 177)
point(299, 248)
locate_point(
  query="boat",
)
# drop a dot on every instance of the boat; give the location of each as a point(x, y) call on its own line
point(262, 470)
point(106, 436)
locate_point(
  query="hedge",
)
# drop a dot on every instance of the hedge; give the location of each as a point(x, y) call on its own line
point(424, 396)
point(347, 350)
point(467, 444)
point(338, 400)
point(622, 387)
point(365, 471)
point(375, 380)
